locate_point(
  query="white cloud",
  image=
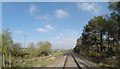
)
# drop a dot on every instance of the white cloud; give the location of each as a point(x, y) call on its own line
point(90, 7)
point(45, 17)
point(46, 29)
point(41, 29)
point(18, 32)
point(57, 37)
point(49, 27)
point(61, 34)
point(32, 9)
point(61, 13)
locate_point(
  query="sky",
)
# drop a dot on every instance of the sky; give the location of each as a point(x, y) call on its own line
point(60, 23)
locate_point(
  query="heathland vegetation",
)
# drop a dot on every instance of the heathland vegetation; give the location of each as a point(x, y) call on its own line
point(13, 53)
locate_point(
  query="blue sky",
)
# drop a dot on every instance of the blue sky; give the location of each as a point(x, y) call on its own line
point(57, 22)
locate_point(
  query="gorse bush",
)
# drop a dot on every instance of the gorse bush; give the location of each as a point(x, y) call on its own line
point(94, 54)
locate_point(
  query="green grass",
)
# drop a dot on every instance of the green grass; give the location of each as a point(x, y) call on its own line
point(60, 53)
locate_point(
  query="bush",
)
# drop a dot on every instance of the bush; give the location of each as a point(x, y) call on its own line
point(111, 60)
point(45, 53)
point(44, 48)
point(94, 54)
point(77, 50)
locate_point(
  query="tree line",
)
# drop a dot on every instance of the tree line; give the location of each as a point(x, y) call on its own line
point(11, 51)
point(100, 38)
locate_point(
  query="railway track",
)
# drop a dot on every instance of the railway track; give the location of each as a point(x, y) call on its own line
point(70, 61)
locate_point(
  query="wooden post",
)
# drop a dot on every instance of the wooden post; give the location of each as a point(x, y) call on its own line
point(3, 61)
point(9, 59)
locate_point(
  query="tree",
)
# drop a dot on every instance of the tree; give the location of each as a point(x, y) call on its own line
point(0, 44)
point(78, 46)
point(115, 16)
point(44, 47)
point(114, 6)
point(104, 33)
point(0, 50)
point(100, 28)
point(16, 50)
point(7, 41)
point(17, 45)
point(93, 33)
point(31, 49)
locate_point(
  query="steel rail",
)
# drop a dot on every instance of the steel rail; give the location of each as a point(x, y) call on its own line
point(74, 60)
point(65, 61)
